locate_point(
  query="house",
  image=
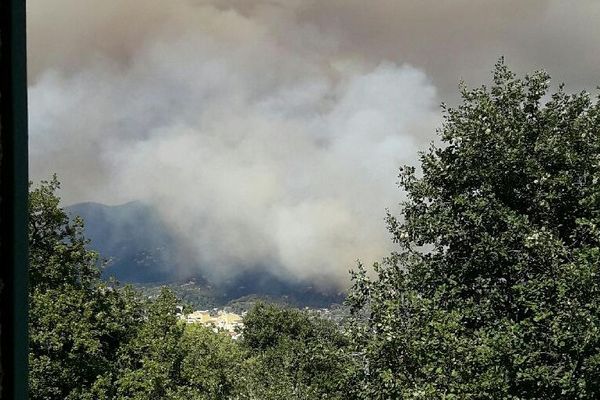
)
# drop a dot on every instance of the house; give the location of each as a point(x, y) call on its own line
point(199, 317)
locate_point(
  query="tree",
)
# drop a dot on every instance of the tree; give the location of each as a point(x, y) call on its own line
point(149, 364)
point(77, 323)
point(212, 365)
point(58, 255)
point(90, 339)
point(494, 291)
point(294, 355)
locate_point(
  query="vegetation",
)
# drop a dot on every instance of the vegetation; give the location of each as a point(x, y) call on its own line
point(77, 324)
point(96, 340)
point(494, 291)
point(295, 355)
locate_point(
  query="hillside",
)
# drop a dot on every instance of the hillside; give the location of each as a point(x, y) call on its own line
point(133, 239)
point(140, 250)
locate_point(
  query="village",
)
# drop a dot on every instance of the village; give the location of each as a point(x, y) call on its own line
point(228, 322)
point(218, 320)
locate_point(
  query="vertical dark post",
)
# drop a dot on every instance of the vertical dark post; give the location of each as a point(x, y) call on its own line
point(13, 200)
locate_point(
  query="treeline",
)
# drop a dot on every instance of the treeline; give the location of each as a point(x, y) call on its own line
point(91, 339)
point(493, 291)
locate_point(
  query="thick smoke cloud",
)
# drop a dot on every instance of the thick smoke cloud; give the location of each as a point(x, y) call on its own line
point(268, 134)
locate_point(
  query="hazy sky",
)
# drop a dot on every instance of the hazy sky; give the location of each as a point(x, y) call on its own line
point(270, 132)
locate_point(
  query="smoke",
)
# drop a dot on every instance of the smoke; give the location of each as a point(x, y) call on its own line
point(267, 134)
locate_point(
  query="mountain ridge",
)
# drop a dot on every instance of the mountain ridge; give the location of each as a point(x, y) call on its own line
point(141, 250)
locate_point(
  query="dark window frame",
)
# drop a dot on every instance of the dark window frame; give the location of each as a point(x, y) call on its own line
point(14, 188)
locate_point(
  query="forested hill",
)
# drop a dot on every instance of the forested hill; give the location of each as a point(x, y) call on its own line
point(141, 250)
point(132, 237)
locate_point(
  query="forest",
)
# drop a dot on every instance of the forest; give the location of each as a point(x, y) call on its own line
point(492, 291)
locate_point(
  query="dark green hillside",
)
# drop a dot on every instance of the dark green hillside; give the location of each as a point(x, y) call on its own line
point(138, 245)
point(141, 250)
point(234, 294)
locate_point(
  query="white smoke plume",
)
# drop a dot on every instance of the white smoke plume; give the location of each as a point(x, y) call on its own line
point(266, 133)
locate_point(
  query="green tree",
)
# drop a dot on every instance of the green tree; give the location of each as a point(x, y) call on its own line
point(58, 255)
point(294, 355)
point(149, 365)
point(77, 323)
point(95, 340)
point(495, 289)
point(211, 366)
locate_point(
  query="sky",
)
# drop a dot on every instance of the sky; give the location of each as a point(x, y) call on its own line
point(269, 133)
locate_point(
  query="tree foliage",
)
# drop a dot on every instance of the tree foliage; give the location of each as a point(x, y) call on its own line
point(77, 323)
point(494, 291)
point(294, 355)
point(96, 340)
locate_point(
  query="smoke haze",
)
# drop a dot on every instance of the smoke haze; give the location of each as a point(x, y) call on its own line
point(268, 133)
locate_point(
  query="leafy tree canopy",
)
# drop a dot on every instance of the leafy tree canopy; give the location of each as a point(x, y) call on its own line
point(294, 355)
point(96, 340)
point(495, 289)
point(76, 322)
